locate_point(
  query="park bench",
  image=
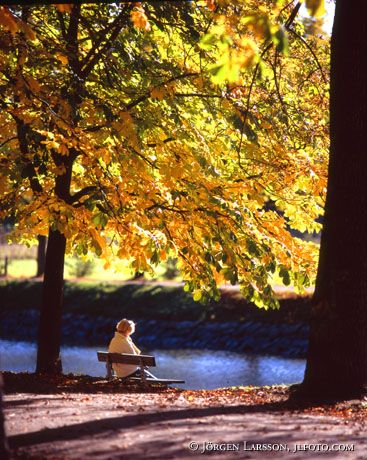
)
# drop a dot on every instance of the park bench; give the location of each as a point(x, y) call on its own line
point(143, 361)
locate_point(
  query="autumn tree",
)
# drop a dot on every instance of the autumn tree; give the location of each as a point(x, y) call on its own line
point(142, 133)
point(337, 356)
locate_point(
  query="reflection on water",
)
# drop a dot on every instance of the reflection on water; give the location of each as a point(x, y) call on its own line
point(201, 369)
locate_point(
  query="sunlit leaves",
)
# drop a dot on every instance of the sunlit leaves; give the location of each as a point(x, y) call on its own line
point(8, 21)
point(139, 18)
point(12, 24)
point(62, 58)
point(233, 54)
point(64, 7)
point(188, 141)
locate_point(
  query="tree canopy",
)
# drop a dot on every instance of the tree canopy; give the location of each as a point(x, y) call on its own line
point(143, 130)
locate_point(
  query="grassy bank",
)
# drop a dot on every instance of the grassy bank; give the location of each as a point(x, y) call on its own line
point(119, 271)
point(149, 301)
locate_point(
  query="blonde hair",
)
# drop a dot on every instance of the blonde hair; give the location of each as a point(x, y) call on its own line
point(125, 326)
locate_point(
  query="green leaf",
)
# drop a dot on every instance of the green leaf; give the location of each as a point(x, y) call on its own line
point(155, 258)
point(230, 275)
point(271, 267)
point(209, 258)
point(197, 295)
point(274, 304)
point(248, 291)
point(252, 247)
point(208, 41)
point(316, 7)
point(233, 237)
point(250, 133)
point(202, 161)
point(97, 247)
point(284, 274)
point(100, 220)
point(281, 41)
point(268, 291)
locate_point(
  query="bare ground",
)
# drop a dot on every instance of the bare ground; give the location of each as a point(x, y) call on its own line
point(81, 418)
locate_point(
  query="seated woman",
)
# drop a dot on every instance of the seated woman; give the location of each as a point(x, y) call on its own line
point(122, 343)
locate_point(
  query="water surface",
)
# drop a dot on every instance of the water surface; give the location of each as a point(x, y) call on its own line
point(201, 369)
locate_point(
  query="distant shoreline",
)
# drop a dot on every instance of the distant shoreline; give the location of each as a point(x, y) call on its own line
point(167, 318)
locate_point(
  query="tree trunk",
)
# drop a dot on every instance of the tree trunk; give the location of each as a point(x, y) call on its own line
point(49, 332)
point(4, 450)
point(41, 255)
point(337, 356)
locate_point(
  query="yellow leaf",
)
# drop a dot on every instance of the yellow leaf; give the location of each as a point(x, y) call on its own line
point(8, 21)
point(64, 7)
point(33, 84)
point(316, 7)
point(98, 242)
point(63, 150)
point(28, 32)
point(62, 58)
point(197, 294)
point(139, 19)
point(106, 156)
point(126, 117)
point(210, 4)
point(158, 93)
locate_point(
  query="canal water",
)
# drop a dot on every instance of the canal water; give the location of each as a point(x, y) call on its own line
point(201, 369)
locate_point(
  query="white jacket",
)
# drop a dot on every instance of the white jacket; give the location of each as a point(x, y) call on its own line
point(122, 344)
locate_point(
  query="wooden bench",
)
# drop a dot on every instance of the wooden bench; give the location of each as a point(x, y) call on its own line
point(143, 361)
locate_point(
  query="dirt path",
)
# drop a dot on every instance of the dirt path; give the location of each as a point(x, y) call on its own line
point(103, 426)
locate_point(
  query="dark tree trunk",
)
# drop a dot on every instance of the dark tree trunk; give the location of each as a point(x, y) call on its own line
point(138, 276)
point(49, 332)
point(337, 356)
point(4, 450)
point(41, 255)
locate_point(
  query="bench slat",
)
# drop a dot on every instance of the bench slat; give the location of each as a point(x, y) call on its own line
point(157, 380)
point(124, 358)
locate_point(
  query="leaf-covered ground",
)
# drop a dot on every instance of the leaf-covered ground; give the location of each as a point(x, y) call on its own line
point(77, 417)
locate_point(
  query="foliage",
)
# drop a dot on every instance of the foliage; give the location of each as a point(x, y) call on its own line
point(80, 267)
point(156, 131)
point(150, 301)
point(171, 269)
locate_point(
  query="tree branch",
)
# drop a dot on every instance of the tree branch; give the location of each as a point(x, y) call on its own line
point(169, 139)
point(72, 39)
point(8, 140)
point(28, 170)
point(292, 16)
point(83, 192)
point(170, 80)
point(204, 96)
point(62, 24)
point(116, 25)
point(296, 34)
